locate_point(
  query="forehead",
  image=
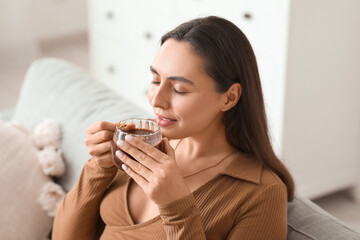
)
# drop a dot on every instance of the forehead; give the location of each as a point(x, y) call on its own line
point(176, 58)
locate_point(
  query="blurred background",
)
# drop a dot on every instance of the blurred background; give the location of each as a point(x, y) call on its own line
point(308, 53)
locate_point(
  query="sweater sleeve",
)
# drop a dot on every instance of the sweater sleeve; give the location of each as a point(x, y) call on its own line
point(181, 219)
point(265, 217)
point(78, 214)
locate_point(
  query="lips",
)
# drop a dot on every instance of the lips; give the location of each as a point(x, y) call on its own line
point(164, 121)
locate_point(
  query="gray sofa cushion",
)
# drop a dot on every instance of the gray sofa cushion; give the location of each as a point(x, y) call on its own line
point(307, 221)
point(58, 90)
point(6, 115)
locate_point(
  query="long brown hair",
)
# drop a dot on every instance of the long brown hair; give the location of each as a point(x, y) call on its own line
point(229, 58)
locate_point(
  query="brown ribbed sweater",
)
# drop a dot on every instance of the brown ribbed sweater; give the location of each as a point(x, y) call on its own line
point(245, 201)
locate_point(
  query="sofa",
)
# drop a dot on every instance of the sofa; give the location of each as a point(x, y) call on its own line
point(58, 90)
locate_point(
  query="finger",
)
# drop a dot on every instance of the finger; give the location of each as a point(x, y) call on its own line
point(103, 125)
point(142, 182)
point(103, 157)
point(168, 149)
point(150, 150)
point(99, 137)
point(117, 162)
point(141, 156)
point(98, 149)
point(137, 167)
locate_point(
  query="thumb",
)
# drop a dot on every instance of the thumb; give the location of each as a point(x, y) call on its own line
point(168, 149)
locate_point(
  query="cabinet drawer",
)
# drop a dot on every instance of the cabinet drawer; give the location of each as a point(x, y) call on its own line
point(135, 29)
point(123, 70)
point(107, 17)
point(132, 21)
point(264, 22)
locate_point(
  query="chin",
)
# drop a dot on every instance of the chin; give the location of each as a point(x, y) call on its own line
point(173, 133)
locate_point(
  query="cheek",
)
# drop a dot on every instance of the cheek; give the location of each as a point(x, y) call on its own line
point(200, 106)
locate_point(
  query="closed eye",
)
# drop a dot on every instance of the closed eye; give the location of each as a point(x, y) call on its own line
point(174, 89)
point(179, 92)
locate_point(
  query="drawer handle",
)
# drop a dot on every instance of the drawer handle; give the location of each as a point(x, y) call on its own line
point(111, 70)
point(110, 15)
point(148, 35)
point(248, 16)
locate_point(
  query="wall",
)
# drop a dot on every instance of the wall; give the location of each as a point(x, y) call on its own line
point(322, 111)
point(58, 18)
point(17, 36)
point(26, 23)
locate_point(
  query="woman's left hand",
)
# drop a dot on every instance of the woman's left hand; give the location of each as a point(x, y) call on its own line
point(154, 171)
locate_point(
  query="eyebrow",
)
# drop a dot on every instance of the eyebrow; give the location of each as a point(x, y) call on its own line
point(173, 78)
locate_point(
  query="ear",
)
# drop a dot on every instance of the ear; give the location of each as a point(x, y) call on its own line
point(231, 97)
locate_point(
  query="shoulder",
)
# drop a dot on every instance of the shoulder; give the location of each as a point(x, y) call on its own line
point(270, 179)
point(244, 169)
point(272, 191)
point(254, 180)
point(267, 195)
point(265, 184)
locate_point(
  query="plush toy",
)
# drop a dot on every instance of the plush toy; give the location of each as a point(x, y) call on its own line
point(47, 139)
point(50, 197)
point(47, 134)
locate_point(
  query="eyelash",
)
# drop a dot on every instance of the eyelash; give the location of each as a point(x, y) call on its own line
point(175, 91)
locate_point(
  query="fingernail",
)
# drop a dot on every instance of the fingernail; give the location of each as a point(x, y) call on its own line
point(124, 167)
point(119, 154)
point(128, 137)
point(121, 143)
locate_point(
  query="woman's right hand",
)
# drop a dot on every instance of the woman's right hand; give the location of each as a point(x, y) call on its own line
point(98, 141)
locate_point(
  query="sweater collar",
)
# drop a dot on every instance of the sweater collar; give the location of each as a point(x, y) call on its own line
point(244, 167)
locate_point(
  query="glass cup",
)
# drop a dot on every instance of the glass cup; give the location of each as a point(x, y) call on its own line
point(145, 129)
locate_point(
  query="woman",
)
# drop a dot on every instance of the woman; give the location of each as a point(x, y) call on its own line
point(219, 178)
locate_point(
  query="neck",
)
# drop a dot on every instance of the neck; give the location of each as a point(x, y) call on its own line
point(208, 143)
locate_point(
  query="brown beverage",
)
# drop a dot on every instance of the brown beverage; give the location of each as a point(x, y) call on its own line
point(145, 129)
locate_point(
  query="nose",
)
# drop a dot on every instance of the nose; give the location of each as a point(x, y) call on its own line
point(160, 97)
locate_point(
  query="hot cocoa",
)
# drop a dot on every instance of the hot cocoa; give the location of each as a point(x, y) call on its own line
point(146, 130)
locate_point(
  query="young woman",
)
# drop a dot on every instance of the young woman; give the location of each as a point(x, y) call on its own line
point(219, 177)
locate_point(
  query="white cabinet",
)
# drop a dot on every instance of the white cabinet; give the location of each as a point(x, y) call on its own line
point(124, 38)
point(125, 35)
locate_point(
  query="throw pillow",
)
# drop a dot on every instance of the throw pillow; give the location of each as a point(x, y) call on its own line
point(21, 181)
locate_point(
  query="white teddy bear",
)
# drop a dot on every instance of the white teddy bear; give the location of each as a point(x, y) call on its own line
point(47, 134)
point(50, 197)
point(47, 137)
